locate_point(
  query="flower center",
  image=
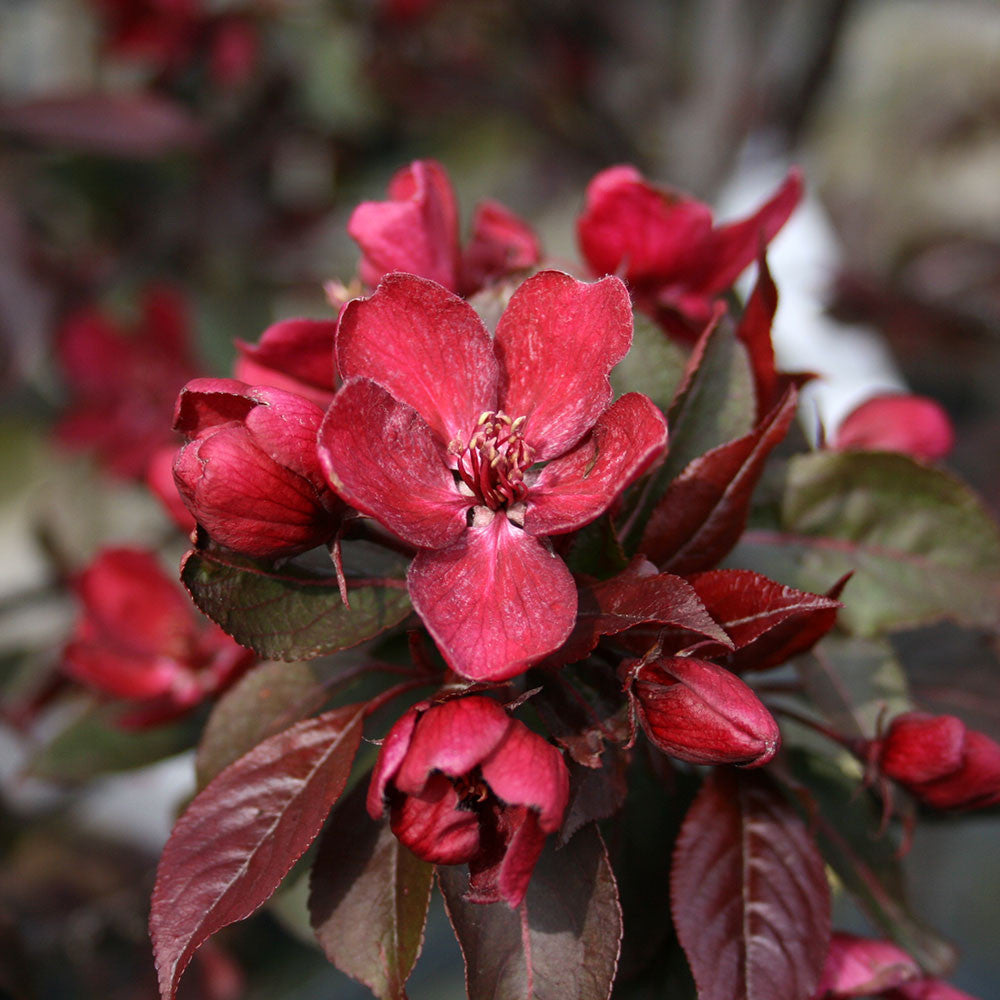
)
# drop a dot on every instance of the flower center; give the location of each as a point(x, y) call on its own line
point(495, 460)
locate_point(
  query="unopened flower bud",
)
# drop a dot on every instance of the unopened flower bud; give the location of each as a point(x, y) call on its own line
point(249, 473)
point(940, 761)
point(700, 712)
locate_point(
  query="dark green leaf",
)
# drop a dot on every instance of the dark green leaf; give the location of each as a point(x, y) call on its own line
point(291, 614)
point(368, 899)
point(653, 366)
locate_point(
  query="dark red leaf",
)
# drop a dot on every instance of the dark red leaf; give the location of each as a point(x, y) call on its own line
point(768, 622)
point(594, 793)
point(704, 511)
point(749, 894)
point(638, 596)
point(754, 330)
point(368, 897)
point(242, 834)
point(561, 943)
point(142, 126)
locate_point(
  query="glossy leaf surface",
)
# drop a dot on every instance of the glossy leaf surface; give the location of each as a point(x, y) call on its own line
point(242, 834)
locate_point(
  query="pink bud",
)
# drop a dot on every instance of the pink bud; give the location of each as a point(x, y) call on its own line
point(857, 966)
point(249, 473)
point(941, 762)
point(913, 425)
point(700, 712)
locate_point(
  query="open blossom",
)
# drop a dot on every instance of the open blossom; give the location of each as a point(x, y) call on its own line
point(663, 243)
point(940, 761)
point(436, 433)
point(140, 639)
point(700, 712)
point(417, 231)
point(249, 473)
point(913, 425)
point(464, 782)
point(123, 382)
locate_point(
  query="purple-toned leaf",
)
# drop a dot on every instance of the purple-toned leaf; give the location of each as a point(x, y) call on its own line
point(922, 546)
point(137, 125)
point(768, 622)
point(242, 834)
point(368, 899)
point(561, 943)
point(638, 596)
point(704, 511)
point(291, 614)
point(754, 332)
point(594, 793)
point(749, 894)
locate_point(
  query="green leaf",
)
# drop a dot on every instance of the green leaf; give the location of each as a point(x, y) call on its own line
point(853, 681)
point(368, 899)
point(653, 366)
point(92, 744)
point(291, 614)
point(921, 545)
point(846, 825)
point(561, 943)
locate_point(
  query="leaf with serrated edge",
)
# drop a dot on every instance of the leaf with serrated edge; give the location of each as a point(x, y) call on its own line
point(749, 894)
point(242, 834)
point(290, 615)
point(561, 943)
point(921, 544)
point(368, 899)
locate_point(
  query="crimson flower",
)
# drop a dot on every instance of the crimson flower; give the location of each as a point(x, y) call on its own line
point(665, 246)
point(249, 473)
point(913, 425)
point(436, 432)
point(417, 231)
point(940, 761)
point(465, 782)
point(140, 639)
point(123, 382)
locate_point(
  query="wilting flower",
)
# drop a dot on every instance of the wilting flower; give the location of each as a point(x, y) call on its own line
point(249, 473)
point(664, 245)
point(940, 761)
point(700, 712)
point(295, 355)
point(417, 231)
point(123, 383)
point(140, 639)
point(913, 425)
point(465, 782)
point(436, 433)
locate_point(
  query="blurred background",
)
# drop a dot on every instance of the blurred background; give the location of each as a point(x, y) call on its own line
point(179, 173)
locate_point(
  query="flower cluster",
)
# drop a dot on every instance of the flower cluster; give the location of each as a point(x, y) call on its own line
point(458, 453)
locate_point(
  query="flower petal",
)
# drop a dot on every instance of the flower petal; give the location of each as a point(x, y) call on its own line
point(557, 341)
point(453, 738)
point(434, 827)
point(495, 602)
point(427, 347)
point(390, 757)
point(574, 489)
point(415, 231)
point(382, 458)
point(913, 425)
point(526, 770)
point(501, 243)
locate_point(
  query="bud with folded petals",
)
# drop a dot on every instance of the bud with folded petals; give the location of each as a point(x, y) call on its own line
point(940, 761)
point(249, 473)
point(700, 712)
point(464, 782)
